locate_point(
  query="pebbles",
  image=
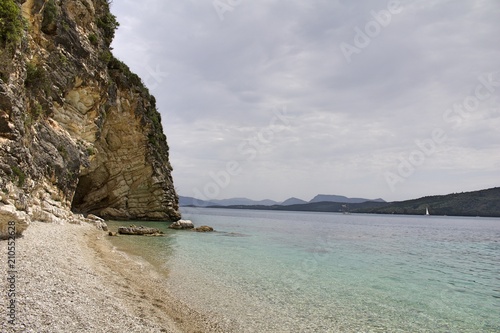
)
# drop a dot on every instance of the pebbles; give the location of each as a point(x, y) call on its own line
point(69, 279)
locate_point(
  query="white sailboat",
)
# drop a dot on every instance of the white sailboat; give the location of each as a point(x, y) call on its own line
point(427, 211)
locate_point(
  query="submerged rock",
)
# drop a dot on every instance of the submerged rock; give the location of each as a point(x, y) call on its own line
point(142, 230)
point(182, 224)
point(204, 228)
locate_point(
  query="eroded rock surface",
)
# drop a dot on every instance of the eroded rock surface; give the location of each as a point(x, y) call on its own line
point(79, 133)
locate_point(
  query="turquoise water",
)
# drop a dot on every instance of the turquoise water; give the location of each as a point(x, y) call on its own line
point(318, 272)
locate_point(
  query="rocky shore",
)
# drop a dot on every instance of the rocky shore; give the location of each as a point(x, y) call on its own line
point(69, 278)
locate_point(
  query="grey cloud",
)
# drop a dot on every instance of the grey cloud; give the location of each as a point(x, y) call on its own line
point(349, 121)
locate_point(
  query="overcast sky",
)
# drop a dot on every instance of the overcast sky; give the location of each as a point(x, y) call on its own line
point(274, 99)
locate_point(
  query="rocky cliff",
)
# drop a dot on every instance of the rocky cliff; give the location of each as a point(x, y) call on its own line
point(78, 131)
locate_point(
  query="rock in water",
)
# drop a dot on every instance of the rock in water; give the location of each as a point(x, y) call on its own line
point(142, 230)
point(182, 224)
point(204, 228)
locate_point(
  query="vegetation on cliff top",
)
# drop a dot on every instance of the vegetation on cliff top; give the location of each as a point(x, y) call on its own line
point(108, 25)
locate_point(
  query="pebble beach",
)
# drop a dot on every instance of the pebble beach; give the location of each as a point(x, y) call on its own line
point(69, 278)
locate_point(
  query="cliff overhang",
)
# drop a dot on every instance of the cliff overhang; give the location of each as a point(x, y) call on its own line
point(79, 132)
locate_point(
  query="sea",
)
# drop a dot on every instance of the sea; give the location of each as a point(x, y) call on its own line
point(269, 271)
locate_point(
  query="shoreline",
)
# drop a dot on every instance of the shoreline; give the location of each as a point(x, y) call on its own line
point(71, 278)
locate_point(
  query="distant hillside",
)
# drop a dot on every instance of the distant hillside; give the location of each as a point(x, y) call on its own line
point(477, 203)
point(323, 206)
point(190, 201)
point(293, 201)
point(340, 199)
point(244, 201)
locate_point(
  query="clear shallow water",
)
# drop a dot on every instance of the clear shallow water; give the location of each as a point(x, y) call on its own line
point(316, 272)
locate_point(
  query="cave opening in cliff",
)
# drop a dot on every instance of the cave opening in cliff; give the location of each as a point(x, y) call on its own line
point(81, 202)
point(79, 197)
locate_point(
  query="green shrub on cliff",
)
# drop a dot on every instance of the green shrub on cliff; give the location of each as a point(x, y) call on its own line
point(11, 22)
point(49, 21)
point(108, 24)
point(50, 12)
point(21, 177)
point(35, 75)
point(37, 79)
point(132, 78)
point(93, 39)
point(105, 56)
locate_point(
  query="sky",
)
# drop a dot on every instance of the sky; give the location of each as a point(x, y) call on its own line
point(271, 99)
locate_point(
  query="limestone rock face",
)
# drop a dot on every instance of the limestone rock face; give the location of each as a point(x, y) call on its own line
point(79, 133)
point(12, 221)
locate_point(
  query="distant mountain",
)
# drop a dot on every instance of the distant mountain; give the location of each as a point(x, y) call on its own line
point(478, 203)
point(293, 201)
point(244, 202)
point(189, 201)
point(323, 206)
point(341, 199)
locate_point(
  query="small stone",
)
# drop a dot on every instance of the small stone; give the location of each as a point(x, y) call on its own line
point(142, 230)
point(182, 224)
point(204, 228)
